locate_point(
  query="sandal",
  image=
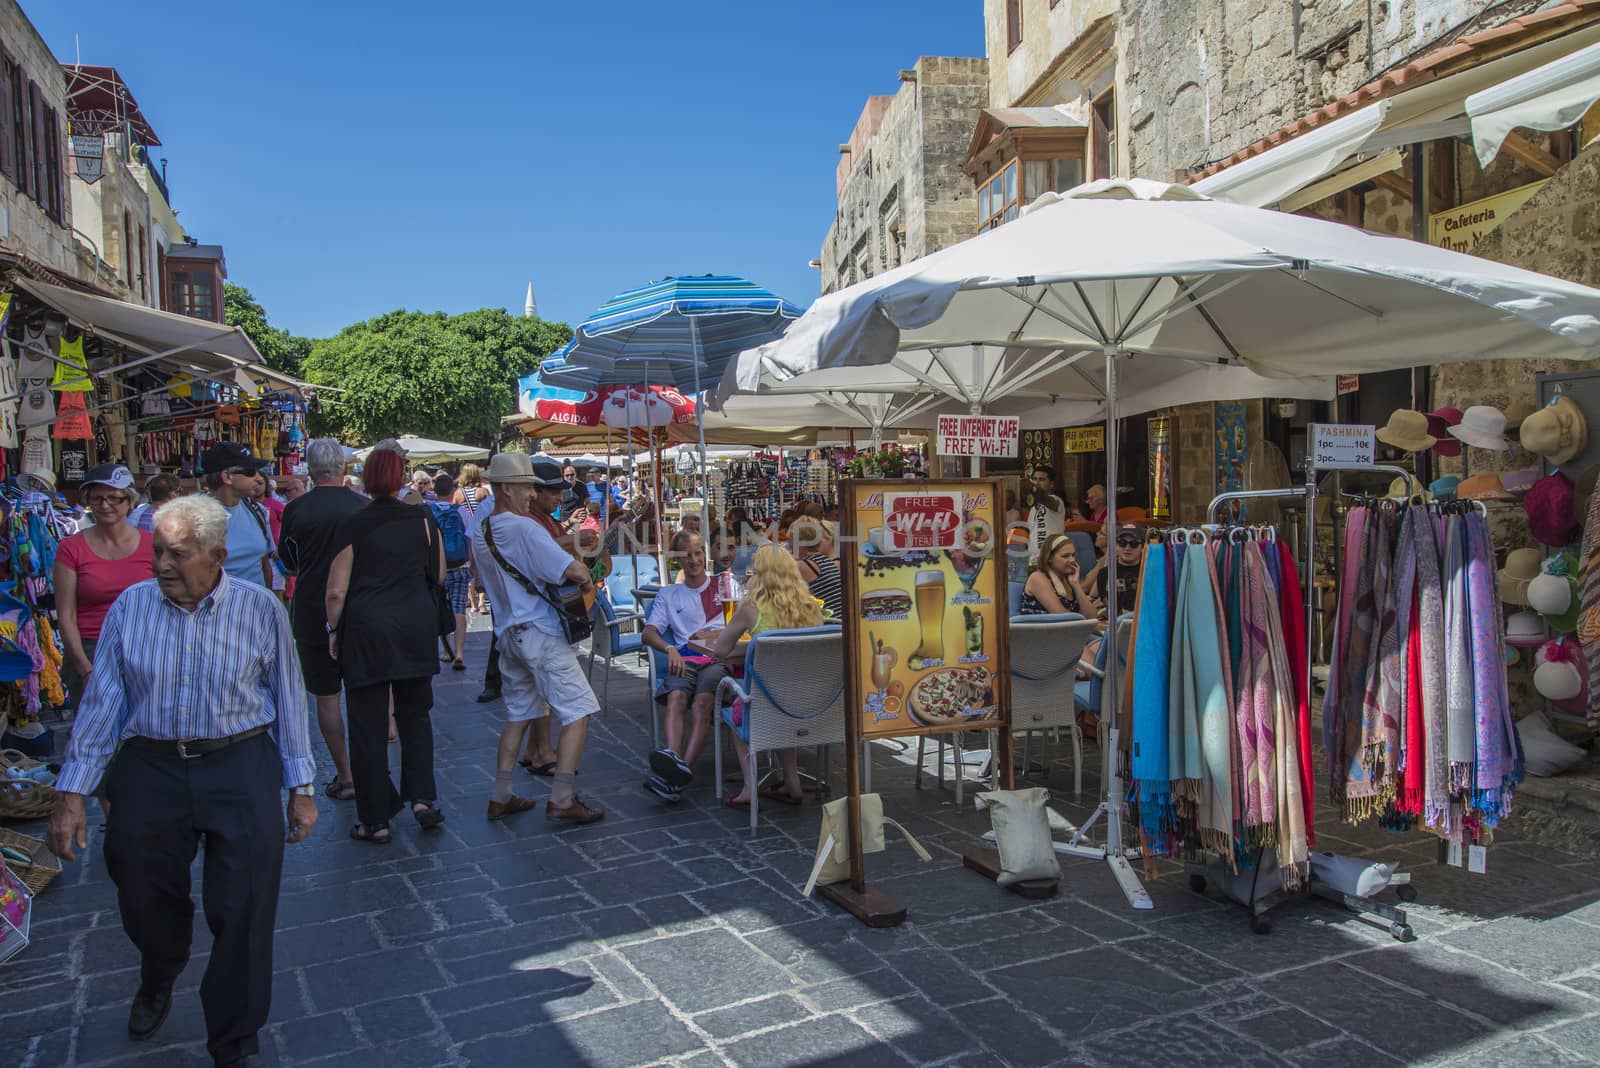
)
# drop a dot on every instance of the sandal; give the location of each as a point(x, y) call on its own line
point(373, 835)
point(730, 802)
point(531, 768)
point(782, 796)
point(459, 665)
point(339, 791)
point(428, 815)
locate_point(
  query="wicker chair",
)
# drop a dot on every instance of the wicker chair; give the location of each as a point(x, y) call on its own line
point(793, 695)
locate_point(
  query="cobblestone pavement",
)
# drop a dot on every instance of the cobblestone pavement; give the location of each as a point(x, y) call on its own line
point(671, 936)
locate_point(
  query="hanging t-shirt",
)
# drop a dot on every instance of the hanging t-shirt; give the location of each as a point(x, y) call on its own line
point(37, 456)
point(74, 462)
point(10, 403)
point(72, 372)
point(247, 544)
point(38, 404)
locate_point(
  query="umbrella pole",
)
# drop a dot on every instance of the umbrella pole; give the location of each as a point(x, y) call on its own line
point(700, 426)
point(660, 505)
point(1112, 806)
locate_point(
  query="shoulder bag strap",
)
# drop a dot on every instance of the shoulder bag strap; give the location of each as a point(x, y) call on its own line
point(431, 568)
point(505, 565)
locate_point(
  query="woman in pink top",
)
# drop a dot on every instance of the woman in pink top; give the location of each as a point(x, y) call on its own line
point(94, 566)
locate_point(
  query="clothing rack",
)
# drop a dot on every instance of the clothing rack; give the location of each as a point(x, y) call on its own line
point(1377, 912)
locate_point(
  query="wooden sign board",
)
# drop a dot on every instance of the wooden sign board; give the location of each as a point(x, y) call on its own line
point(925, 606)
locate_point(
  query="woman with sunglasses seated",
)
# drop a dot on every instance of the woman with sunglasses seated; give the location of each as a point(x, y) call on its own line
point(1056, 586)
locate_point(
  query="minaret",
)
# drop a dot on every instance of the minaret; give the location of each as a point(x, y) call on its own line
point(530, 310)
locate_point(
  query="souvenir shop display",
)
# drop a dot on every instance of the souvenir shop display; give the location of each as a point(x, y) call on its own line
point(16, 913)
point(1482, 427)
point(1407, 431)
point(1440, 420)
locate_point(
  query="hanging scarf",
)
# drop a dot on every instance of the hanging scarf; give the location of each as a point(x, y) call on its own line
point(1200, 734)
point(1432, 634)
point(1152, 653)
point(1346, 678)
point(1460, 741)
point(1253, 709)
point(1288, 792)
point(1292, 610)
point(1368, 755)
point(1589, 606)
point(1498, 765)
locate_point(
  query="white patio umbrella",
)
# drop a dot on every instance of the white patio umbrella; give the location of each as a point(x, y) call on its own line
point(428, 451)
point(1138, 272)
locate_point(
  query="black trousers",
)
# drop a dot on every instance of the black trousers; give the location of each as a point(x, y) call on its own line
point(163, 806)
point(367, 710)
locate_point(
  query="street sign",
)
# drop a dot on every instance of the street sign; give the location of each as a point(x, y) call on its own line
point(1342, 443)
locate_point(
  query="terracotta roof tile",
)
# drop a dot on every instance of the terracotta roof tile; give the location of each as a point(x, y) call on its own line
point(1573, 12)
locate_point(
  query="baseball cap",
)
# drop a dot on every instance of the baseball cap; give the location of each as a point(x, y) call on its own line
point(114, 475)
point(226, 455)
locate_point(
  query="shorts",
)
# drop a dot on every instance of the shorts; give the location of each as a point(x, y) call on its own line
point(320, 670)
point(537, 669)
point(695, 680)
point(457, 583)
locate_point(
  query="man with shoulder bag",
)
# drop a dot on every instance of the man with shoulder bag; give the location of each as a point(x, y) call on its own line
point(519, 563)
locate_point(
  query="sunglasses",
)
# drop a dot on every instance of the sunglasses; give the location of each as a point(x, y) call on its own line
point(1127, 543)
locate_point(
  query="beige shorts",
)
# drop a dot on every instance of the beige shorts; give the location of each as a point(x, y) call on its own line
point(540, 672)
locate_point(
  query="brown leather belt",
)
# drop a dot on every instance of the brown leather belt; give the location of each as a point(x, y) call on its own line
point(189, 748)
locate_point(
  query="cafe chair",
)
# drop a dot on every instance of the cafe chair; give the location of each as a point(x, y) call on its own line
point(793, 696)
point(1045, 651)
point(609, 642)
point(1089, 694)
point(655, 663)
point(1083, 542)
point(1014, 597)
point(623, 580)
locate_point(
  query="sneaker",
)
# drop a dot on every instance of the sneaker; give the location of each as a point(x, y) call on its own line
point(670, 794)
point(574, 811)
point(670, 768)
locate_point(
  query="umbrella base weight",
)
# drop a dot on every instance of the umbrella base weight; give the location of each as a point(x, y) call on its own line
point(871, 907)
point(986, 862)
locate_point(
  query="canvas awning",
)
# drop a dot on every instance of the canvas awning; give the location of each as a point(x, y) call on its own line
point(1550, 98)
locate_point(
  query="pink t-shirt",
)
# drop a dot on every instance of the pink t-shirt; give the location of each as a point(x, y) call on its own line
point(101, 581)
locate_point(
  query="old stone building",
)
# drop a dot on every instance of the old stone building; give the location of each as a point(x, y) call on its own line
point(901, 190)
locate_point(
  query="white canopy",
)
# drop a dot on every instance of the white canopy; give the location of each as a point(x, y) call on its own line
point(428, 451)
point(1552, 97)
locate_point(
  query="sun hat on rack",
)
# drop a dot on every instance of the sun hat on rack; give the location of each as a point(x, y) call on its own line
point(1549, 504)
point(1518, 482)
point(1558, 431)
point(1397, 491)
point(1522, 567)
point(1444, 489)
point(1407, 431)
point(1440, 420)
point(1484, 487)
point(1482, 427)
point(1525, 629)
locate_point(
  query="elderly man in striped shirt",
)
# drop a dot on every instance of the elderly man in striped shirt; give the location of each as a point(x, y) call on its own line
point(196, 691)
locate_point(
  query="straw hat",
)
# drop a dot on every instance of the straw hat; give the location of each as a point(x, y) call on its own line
point(1522, 567)
point(1482, 427)
point(1407, 431)
point(509, 467)
point(1558, 431)
point(1484, 487)
point(1440, 420)
point(1397, 490)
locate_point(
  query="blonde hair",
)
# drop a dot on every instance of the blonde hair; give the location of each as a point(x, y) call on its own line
point(807, 534)
point(777, 587)
point(471, 475)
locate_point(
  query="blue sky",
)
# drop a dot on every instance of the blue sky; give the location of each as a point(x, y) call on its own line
point(356, 157)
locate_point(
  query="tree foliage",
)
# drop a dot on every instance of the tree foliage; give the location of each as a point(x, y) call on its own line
point(281, 350)
point(442, 376)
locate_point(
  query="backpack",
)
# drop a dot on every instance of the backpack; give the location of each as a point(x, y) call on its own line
point(454, 531)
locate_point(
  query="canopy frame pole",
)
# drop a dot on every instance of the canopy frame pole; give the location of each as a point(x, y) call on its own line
point(700, 427)
point(975, 406)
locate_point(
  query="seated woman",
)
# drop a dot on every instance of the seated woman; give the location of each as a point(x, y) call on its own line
point(813, 542)
point(1055, 586)
point(776, 598)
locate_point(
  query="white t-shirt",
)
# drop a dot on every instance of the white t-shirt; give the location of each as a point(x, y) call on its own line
point(1042, 522)
point(530, 549)
point(679, 612)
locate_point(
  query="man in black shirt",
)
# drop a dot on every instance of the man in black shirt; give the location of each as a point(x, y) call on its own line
point(573, 497)
point(307, 546)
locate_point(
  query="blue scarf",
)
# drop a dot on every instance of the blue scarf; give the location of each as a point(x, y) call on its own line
point(1151, 655)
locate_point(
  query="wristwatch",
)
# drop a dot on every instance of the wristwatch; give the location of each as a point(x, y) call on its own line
point(304, 791)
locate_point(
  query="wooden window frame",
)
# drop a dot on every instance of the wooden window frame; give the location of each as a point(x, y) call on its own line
point(1019, 146)
point(1013, 25)
point(998, 179)
point(1103, 137)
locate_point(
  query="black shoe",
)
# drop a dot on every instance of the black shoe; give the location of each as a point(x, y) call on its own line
point(490, 693)
point(149, 1010)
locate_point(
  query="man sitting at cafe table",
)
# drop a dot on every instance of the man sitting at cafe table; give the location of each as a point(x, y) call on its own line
point(683, 611)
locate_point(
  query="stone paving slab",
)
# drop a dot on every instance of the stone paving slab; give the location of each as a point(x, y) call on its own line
point(671, 936)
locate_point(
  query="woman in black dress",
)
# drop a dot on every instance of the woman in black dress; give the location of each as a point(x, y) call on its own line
point(381, 631)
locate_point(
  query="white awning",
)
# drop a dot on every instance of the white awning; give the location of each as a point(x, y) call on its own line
point(1433, 110)
point(1551, 98)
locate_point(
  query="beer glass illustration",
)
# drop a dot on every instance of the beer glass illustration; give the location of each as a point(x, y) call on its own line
point(930, 615)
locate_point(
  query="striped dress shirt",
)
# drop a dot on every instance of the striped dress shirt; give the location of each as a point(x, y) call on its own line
point(163, 672)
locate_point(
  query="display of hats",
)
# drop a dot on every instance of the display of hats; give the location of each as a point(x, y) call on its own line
point(1482, 427)
point(1549, 504)
point(1444, 489)
point(1559, 671)
point(1518, 482)
point(1484, 487)
point(1397, 491)
point(1554, 593)
point(1407, 430)
point(1522, 567)
point(1558, 431)
point(1525, 630)
point(1440, 420)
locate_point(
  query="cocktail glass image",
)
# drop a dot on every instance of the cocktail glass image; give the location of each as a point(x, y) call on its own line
point(930, 604)
point(977, 542)
point(884, 658)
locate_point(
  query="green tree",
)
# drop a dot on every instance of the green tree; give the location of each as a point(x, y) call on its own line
point(432, 374)
point(281, 350)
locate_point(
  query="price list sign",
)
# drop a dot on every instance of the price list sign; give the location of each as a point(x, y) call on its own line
point(925, 627)
point(1342, 443)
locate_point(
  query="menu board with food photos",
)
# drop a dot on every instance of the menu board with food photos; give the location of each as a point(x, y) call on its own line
point(926, 610)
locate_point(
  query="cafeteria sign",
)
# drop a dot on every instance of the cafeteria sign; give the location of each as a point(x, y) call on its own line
point(978, 435)
point(1461, 229)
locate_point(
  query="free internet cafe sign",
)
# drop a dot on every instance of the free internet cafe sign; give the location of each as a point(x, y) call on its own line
point(926, 610)
point(978, 435)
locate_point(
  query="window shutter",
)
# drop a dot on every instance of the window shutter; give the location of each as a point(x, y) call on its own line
point(30, 176)
point(8, 148)
point(41, 166)
point(57, 208)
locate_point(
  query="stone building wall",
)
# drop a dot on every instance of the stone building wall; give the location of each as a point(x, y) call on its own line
point(905, 194)
point(1049, 32)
